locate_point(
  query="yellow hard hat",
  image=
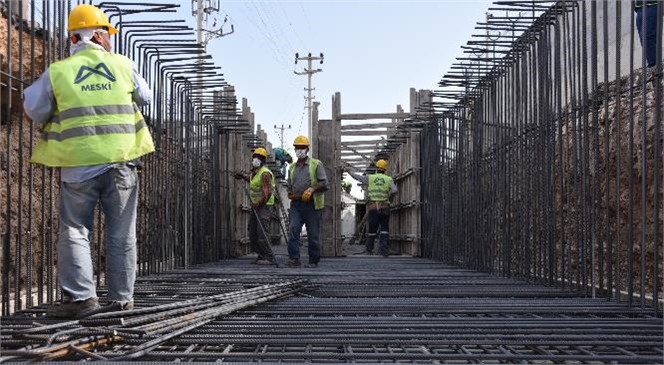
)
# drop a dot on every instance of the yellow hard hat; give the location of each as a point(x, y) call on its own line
point(301, 141)
point(381, 164)
point(261, 152)
point(89, 16)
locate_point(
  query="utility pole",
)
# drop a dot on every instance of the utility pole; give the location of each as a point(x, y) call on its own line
point(309, 71)
point(202, 10)
point(281, 133)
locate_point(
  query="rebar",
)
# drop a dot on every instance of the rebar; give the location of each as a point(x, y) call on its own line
point(524, 164)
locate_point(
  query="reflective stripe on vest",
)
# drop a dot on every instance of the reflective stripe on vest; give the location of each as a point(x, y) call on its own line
point(96, 120)
point(379, 187)
point(319, 198)
point(256, 186)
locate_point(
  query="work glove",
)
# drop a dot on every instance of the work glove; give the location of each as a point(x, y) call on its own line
point(238, 175)
point(306, 196)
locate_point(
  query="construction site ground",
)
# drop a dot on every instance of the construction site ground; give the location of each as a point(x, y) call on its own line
point(364, 309)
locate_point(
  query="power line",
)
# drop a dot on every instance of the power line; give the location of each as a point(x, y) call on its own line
point(309, 71)
point(281, 133)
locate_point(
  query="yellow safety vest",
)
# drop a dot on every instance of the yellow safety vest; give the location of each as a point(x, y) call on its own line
point(379, 187)
point(319, 198)
point(96, 120)
point(256, 186)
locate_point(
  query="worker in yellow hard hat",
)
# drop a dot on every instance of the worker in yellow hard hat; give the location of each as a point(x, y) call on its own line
point(306, 183)
point(261, 188)
point(380, 189)
point(86, 105)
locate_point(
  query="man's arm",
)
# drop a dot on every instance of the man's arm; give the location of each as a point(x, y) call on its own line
point(321, 176)
point(364, 180)
point(266, 186)
point(39, 100)
point(393, 190)
point(142, 94)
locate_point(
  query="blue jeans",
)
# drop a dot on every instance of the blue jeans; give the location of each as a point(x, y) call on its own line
point(117, 189)
point(300, 214)
point(649, 39)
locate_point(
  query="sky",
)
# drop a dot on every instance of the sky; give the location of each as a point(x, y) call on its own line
point(374, 52)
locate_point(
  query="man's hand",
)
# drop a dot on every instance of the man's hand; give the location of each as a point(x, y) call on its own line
point(256, 206)
point(306, 196)
point(291, 196)
point(239, 175)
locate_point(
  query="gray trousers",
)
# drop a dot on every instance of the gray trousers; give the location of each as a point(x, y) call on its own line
point(256, 237)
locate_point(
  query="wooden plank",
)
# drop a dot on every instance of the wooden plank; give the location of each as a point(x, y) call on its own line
point(345, 154)
point(366, 116)
point(353, 158)
point(363, 150)
point(349, 127)
point(355, 143)
point(364, 133)
point(356, 152)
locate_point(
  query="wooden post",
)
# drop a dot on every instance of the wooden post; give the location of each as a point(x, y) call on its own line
point(326, 146)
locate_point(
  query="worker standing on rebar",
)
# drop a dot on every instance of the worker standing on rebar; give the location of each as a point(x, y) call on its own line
point(380, 190)
point(93, 130)
point(306, 183)
point(261, 188)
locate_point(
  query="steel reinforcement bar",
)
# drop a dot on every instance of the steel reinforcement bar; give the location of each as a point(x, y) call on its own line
point(194, 120)
point(543, 160)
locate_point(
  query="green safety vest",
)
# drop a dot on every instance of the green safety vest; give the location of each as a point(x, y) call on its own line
point(256, 186)
point(379, 187)
point(319, 198)
point(96, 120)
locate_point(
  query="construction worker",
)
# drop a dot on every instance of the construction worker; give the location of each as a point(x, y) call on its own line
point(282, 157)
point(93, 131)
point(346, 186)
point(261, 187)
point(380, 190)
point(306, 183)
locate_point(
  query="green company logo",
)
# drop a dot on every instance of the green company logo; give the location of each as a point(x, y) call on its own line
point(101, 70)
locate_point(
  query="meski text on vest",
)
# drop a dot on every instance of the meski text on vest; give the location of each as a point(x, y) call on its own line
point(100, 70)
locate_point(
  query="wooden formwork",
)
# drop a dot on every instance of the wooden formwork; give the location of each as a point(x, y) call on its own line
point(235, 150)
point(389, 138)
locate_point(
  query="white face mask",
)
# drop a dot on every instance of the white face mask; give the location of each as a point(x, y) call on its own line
point(256, 162)
point(301, 153)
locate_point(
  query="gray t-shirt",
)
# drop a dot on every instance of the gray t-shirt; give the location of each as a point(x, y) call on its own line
point(300, 180)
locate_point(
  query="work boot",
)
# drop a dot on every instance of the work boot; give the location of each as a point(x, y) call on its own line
point(123, 305)
point(293, 263)
point(74, 309)
point(114, 306)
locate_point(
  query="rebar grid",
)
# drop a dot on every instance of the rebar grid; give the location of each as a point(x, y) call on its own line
point(434, 326)
point(543, 159)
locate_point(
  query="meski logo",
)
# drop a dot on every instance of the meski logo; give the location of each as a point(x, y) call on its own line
point(379, 181)
point(101, 70)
